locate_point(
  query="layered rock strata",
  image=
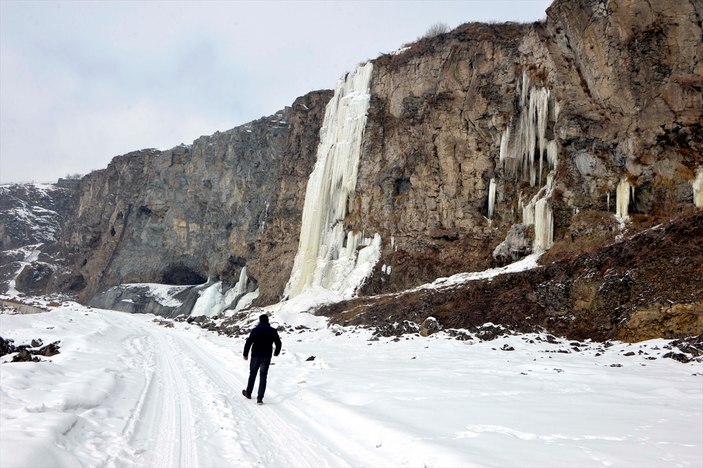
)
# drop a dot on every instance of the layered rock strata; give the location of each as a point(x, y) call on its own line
point(643, 287)
point(466, 129)
point(193, 212)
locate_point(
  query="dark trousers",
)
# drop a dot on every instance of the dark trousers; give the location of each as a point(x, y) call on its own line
point(258, 364)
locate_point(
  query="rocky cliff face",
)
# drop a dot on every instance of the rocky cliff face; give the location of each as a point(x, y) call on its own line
point(620, 90)
point(206, 210)
point(646, 286)
point(32, 217)
point(480, 146)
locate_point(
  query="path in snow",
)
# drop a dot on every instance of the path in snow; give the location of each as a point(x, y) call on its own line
point(127, 392)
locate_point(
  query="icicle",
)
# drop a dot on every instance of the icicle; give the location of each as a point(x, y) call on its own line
point(241, 286)
point(491, 197)
point(327, 255)
point(698, 188)
point(544, 225)
point(504, 141)
point(607, 202)
point(622, 200)
point(524, 145)
point(538, 212)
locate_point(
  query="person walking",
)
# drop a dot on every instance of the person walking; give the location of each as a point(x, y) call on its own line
point(260, 341)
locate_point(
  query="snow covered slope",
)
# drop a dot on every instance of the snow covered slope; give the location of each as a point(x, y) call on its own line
point(126, 391)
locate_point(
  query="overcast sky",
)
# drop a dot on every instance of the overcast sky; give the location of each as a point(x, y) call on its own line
point(82, 82)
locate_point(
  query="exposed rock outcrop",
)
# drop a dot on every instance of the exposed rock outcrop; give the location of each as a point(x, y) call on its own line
point(621, 86)
point(634, 289)
point(481, 145)
point(207, 210)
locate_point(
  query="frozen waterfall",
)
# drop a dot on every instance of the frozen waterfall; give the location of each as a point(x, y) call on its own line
point(538, 212)
point(491, 197)
point(329, 256)
point(528, 150)
point(698, 188)
point(622, 198)
point(525, 149)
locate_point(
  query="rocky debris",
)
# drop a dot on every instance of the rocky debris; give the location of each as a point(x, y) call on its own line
point(517, 244)
point(6, 346)
point(23, 305)
point(690, 349)
point(460, 335)
point(163, 323)
point(489, 331)
point(228, 326)
point(429, 326)
point(30, 352)
point(594, 295)
point(171, 301)
point(397, 329)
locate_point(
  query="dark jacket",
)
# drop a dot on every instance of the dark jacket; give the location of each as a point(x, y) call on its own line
point(260, 341)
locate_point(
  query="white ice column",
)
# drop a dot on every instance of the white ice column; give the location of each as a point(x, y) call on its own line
point(544, 225)
point(491, 197)
point(622, 198)
point(698, 188)
point(525, 151)
point(326, 253)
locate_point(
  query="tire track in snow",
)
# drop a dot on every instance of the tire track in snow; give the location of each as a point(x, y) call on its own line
point(216, 429)
point(163, 431)
point(263, 432)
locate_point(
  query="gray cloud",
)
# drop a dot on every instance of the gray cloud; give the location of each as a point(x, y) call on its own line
point(81, 82)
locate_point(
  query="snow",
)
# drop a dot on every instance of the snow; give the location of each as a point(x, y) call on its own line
point(127, 392)
point(211, 301)
point(162, 293)
point(31, 254)
point(327, 253)
point(527, 263)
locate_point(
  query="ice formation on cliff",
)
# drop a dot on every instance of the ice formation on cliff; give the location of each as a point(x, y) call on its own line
point(525, 149)
point(491, 197)
point(698, 188)
point(623, 192)
point(526, 152)
point(329, 256)
point(538, 213)
point(214, 300)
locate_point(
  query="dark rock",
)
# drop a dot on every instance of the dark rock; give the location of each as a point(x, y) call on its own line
point(430, 326)
point(49, 350)
point(6, 346)
point(677, 357)
point(311, 358)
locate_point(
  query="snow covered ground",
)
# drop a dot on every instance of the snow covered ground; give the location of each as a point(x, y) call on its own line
point(126, 391)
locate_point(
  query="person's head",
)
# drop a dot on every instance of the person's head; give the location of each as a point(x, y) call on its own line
point(263, 318)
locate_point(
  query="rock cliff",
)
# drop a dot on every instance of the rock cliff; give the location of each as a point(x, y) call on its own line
point(620, 89)
point(180, 216)
point(479, 146)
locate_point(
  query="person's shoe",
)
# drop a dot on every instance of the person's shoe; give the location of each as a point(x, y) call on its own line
point(259, 401)
point(246, 394)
